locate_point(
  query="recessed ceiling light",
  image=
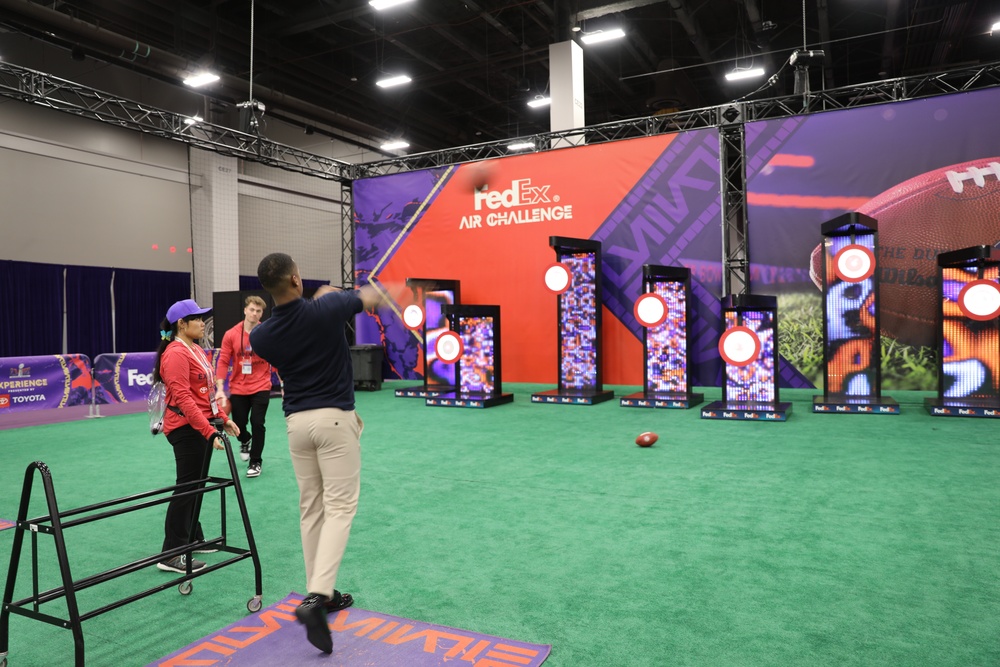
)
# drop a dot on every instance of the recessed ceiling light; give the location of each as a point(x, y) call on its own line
point(749, 73)
point(520, 146)
point(539, 102)
point(602, 36)
point(394, 145)
point(201, 79)
point(386, 4)
point(393, 81)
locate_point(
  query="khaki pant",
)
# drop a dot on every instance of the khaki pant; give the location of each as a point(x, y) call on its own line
point(325, 446)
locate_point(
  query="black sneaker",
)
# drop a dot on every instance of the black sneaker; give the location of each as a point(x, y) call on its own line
point(253, 470)
point(179, 564)
point(245, 451)
point(311, 612)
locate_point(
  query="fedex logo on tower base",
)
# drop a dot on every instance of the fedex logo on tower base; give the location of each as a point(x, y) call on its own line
point(510, 206)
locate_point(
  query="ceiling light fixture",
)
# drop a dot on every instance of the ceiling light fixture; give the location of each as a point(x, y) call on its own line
point(193, 120)
point(749, 73)
point(394, 145)
point(386, 4)
point(393, 81)
point(539, 101)
point(201, 79)
point(602, 36)
point(521, 146)
point(995, 28)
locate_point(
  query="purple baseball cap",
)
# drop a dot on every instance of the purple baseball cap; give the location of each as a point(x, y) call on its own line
point(185, 309)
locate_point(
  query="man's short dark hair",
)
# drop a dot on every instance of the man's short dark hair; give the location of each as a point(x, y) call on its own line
point(273, 269)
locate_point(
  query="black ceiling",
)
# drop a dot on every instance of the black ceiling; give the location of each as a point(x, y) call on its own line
point(475, 63)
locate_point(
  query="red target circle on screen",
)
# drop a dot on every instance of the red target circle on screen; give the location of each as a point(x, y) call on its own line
point(413, 317)
point(449, 347)
point(980, 300)
point(739, 346)
point(558, 278)
point(854, 263)
point(650, 310)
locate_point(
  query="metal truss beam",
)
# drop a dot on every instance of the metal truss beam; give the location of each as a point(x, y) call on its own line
point(346, 235)
point(62, 95)
point(732, 182)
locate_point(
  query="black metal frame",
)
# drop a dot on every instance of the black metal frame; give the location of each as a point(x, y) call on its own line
point(742, 303)
point(54, 524)
point(455, 314)
point(570, 246)
point(653, 275)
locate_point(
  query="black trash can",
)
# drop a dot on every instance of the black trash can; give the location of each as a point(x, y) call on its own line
point(367, 363)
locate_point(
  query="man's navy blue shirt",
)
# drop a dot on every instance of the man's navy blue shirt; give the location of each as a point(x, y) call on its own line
point(306, 341)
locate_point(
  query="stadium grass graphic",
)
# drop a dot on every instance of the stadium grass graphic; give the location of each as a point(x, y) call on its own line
point(800, 341)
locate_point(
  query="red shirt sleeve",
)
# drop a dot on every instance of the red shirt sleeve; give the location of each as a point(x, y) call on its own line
point(226, 353)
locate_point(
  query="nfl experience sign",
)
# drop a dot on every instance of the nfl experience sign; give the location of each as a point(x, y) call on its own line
point(38, 383)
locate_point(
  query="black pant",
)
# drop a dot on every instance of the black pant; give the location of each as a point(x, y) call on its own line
point(192, 455)
point(253, 406)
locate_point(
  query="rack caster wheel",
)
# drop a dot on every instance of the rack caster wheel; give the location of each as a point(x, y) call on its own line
point(184, 589)
point(253, 606)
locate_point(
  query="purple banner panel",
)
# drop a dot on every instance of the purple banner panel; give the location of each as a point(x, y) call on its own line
point(127, 377)
point(360, 637)
point(39, 383)
point(5, 524)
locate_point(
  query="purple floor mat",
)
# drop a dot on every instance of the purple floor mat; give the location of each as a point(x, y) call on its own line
point(360, 638)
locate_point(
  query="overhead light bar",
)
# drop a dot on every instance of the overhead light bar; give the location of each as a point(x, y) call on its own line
point(386, 4)
point(393, 81)
point(995, 28)
point(521, 146)
point(201, 79)
point(738, 74)
point(539, 102)
point(394, 145)
point(193, 120)
point(602, 36)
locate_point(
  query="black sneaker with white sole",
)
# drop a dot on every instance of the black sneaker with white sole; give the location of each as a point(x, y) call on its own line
point(179, 564)
point(253, 470)
point(245, 451)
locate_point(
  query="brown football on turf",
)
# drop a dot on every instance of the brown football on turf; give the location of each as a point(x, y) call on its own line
point(646, 439)
point(946, 209)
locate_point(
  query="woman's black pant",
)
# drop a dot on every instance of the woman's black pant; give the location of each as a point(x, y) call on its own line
point(192, 455)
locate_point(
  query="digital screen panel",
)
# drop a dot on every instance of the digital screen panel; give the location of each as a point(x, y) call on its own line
point(477, 366)
point(755, 381)
point(578, 323)
point(438, 374)
point(851, 334)
point(666, 344)
point(970, 361)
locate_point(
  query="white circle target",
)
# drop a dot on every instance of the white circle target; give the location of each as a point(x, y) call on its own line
point(739, 346)
point(449, 347)
point(558, 278)
point(980, 300)
point(854, 263)
point(650, 310)
point(413, 316)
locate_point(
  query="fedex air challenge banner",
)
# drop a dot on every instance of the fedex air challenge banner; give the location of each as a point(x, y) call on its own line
point(650, 200)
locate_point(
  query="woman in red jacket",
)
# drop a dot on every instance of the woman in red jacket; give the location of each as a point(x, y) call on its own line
point(182, 366)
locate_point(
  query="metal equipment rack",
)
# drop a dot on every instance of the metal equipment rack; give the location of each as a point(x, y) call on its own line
point(55, 523)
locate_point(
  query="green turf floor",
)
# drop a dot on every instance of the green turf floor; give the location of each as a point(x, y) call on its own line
point(825, 540)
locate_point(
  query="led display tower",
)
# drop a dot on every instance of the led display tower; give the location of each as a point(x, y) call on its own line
point(852, 345)
point(425, 317)
point(576, 278)
point(664, 311)
point(472, 346)
point(749, 348)
point(968, 334)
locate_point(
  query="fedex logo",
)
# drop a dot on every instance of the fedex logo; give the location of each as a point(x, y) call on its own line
point(886, 409)
point(864, 408)
point(729, 415)
point(821, 408)
point(966, 412)
point(843, 408)
point(137, 378)
point(707, 413)
point(988, 413)
point(772, 415)
point(643, 404)
point(942, 411)
point(520, 193)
